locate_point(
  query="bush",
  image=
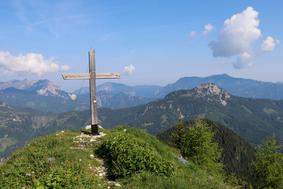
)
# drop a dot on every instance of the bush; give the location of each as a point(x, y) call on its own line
point(179, 135)
point(268, 165)
point(127, 155)
point(196, 143)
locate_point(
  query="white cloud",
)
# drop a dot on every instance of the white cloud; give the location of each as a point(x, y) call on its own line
point(238, 39)
point(238, 34)
point(193, 34)
point(73, 96)
point(207, 29)
point(269, 44)
point(243, 60)
point(65, 67)
point(30, 63)
point(130, 69)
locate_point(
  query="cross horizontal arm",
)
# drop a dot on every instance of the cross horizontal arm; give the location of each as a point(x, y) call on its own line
point(108, 76)
point(86, 76)
point(80, 76)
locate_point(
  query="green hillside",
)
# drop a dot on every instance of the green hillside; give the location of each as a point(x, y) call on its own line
point(20, 125)
point(73, 160)
point(237, 154)
point(252, 119)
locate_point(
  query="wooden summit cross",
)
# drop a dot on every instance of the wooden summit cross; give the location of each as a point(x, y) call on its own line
point(92, 76)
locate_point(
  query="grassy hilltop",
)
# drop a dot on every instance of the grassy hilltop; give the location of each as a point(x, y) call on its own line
point(123, 158)
point(197, 154)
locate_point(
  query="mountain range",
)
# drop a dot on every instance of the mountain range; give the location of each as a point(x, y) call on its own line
point(252, 119)
point(18, 84)
point(236, 86)
point(40, 95)
point(44, 95)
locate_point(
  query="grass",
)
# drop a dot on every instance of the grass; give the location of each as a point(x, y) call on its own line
point(56, 161)
point(53, 161)
point(183, 176)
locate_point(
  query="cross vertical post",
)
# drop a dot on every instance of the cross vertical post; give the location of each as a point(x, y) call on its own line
point(92, 90)
point(92, 76)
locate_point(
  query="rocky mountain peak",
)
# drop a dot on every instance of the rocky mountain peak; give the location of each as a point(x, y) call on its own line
point(212, 90)
point(45, 88)
point(209, 89)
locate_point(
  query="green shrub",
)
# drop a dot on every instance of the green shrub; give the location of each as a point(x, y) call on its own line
point(196, 144)
point(179, 135)
point(127, 154)
point(268, 166)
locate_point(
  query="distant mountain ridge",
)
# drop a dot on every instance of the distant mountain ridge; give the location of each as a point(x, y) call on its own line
point(43, 94)
point(236, 86)
point(253, 119)
point(18, 84)
point(41, 87)
point(46, 96)
point(144, 91)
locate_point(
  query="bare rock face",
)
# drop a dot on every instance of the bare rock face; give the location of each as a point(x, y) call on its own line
point(211, 90)
point(46, 88)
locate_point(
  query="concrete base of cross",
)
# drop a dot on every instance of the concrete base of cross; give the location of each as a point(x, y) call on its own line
point(94, 129)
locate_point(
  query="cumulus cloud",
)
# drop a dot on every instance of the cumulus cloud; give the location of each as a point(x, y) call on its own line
point(207, 29)
point(31, 63)
point(130, 69)
point(243, 60)
point(269, 44)
point(237, 40)
point(239, 33)
point(73, 96)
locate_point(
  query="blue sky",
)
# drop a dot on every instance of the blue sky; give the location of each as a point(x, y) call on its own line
point(163, 40)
